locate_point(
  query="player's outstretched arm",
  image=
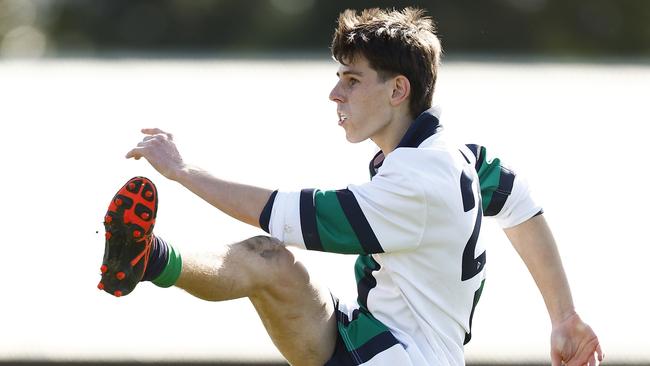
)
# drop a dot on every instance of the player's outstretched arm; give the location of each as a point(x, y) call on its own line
point(243, 202)
point(572, 341)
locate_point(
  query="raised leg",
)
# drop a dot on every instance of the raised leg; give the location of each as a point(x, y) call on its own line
point(298, 315)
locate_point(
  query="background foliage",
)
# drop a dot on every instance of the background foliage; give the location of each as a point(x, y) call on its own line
point(547, 27)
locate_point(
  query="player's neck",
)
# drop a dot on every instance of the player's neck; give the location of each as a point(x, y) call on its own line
point(389, 137)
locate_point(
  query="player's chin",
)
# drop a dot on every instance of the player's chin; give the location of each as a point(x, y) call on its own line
point(353, 138)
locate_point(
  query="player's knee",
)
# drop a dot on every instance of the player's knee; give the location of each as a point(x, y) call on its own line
point(275, 265)
point(266, 247)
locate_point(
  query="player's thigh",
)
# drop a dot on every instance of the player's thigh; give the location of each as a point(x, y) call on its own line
point(297, 312)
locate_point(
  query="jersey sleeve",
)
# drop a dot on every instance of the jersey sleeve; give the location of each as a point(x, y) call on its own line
point(386, 214)
point(506, 195)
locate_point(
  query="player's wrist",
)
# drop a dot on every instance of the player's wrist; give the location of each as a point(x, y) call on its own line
point(181, 173)
point(564, 318)
point(559, 306)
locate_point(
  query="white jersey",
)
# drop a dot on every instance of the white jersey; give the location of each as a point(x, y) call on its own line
point(415, 227)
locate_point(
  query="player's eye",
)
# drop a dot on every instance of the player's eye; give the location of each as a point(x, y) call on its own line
point(353, 82)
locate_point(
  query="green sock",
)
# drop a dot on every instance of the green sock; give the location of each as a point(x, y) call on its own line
point(172, 271)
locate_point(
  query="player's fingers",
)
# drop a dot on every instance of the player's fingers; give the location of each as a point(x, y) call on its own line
point(556, 359)
point(592, 361)
point(580, 358)
point(151, 131)
point(595, 354)
point(599, 351)
point(157, 131)
point(152, 137)
point(586, 354)
point(155, 138)
point(135, 153)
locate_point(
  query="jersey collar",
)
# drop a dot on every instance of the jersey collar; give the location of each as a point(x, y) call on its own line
point(424, 126)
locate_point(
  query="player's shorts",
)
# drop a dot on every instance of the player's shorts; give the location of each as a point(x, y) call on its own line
point(364, 340)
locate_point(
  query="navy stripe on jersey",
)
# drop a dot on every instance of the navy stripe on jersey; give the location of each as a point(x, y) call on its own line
point(308, 220)
point(466, 186)
point(501, 194)
point(376, 345)
point(265, 216)
point(358, 221)
point(464, 156)
point(476, 150)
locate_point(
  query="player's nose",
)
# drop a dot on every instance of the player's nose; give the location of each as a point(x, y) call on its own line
point(335, 93)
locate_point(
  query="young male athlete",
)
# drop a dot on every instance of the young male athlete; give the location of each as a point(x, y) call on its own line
point(415, 225)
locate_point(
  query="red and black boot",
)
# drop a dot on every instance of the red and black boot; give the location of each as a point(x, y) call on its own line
point(129, 224)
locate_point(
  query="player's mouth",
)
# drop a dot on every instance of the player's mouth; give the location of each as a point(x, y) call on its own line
point(342, 118)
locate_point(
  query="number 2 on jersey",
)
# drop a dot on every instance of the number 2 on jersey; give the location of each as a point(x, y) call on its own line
point(471, 266)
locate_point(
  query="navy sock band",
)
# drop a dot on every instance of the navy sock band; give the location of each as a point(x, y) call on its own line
point(158, 258)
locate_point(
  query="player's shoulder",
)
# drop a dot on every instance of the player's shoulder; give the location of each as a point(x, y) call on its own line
point(434, 164)
point(418, 161)
point(435, 153)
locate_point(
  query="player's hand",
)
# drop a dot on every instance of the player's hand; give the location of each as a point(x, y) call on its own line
point(574, 343)
point(160, 151)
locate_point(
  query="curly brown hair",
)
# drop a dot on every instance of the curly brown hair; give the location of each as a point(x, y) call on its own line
point(395, 42)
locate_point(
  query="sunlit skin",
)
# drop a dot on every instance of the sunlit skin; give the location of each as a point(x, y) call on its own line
point(369, 107)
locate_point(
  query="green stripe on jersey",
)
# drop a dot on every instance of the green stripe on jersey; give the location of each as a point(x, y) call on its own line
point(364, 266)
point(336, 233)
point(362, 329)
point(489, 174)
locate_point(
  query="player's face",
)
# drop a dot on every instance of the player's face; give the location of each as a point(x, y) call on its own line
point(362, 101)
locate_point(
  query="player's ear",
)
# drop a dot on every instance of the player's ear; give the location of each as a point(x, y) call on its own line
point(401, 90)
